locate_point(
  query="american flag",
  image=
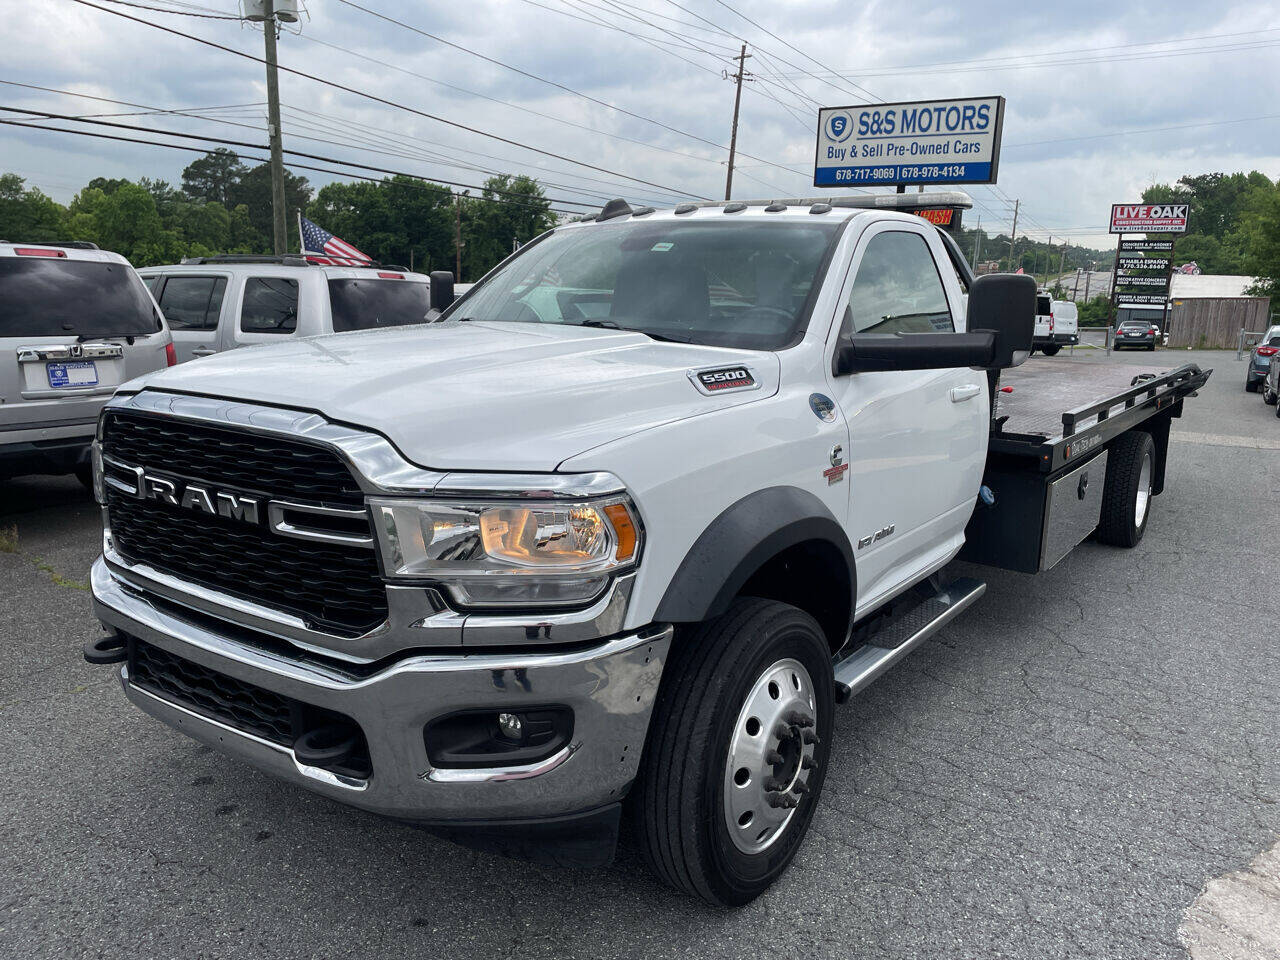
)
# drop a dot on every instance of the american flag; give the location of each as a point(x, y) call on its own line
point(321, 246)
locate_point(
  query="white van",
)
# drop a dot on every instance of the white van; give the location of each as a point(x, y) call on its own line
point(1066, 324)
point(217, 303)
point(1042, 339)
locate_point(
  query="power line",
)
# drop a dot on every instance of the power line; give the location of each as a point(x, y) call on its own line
point(1041, 54)
point(523, 200)
point(540, 79)
point(254, 146)
point(181, 13)
point(790, 46)
point(386, 102)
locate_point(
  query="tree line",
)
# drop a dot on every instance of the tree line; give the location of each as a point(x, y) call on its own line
point(1233, 225)
point(224, 206)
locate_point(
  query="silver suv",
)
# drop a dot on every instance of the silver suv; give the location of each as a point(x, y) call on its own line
point(217, 303)
point(75, 323)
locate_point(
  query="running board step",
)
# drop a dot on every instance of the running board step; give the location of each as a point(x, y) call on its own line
point(902, 635)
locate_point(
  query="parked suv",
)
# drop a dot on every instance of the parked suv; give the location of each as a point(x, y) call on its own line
point(217, 303)
point(1261, 360)
point(75, 323)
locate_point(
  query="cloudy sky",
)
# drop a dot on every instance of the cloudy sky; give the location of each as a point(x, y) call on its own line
point(1102, 97)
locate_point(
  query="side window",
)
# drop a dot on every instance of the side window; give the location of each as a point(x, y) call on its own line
point(270, 305)
point(897, 289)
point(192, 303)
point(152, 283)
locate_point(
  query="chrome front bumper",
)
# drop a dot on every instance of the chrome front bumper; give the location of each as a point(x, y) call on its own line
point(610, 686)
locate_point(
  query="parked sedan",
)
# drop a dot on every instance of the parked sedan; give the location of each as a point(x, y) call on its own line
point(1260, 360)
point(1271, 386)
point(1135, 333)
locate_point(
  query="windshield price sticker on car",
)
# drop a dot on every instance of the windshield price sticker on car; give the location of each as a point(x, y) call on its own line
point(1149, 217)
point(928, 141)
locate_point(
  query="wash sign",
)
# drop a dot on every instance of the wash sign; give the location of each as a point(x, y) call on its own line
point(929, 141)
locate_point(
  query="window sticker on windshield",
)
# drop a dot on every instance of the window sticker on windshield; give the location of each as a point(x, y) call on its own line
point(661, 247)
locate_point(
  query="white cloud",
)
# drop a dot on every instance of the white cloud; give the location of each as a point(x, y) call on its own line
point(885, 47)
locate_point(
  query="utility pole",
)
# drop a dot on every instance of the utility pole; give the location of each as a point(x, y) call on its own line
point(742, 58)
point(279, 235)
point(457, 235)
point(1013, 238)
point(977, 239)
point(1062, 260)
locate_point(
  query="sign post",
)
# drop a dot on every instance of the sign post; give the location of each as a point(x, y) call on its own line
point(1144, 267)
point(895, 144)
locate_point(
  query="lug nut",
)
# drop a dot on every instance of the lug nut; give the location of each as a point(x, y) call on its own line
point(800, 787)
point(774, 785)
point(808, 763)
point(773, 757)
point(798, 719)
point(784, 801)
point(808, 736)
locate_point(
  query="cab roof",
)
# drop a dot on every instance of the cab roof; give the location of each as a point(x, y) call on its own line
point(810, 206)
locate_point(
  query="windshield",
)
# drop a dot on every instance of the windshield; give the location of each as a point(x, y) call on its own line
point(366, 304)
point(51, 297)
point(732, 283)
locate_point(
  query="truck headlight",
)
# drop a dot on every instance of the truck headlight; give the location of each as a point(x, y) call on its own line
point(509, 553)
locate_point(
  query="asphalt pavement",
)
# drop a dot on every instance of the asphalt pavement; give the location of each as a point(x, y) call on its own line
point(1058, 774)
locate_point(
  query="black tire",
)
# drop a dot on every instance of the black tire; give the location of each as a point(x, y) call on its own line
point(1152, 348)
point(678, 803)
point(1119, 524)
point(1278, 409)
point(1267, 396)
point(1251, 386)
point(1052, 351)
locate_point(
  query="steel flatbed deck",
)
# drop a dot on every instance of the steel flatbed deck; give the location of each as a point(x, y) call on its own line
point(1047, 460)
point(1058, 410)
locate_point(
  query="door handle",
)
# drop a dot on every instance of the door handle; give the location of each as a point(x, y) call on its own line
point(209, 351)
point(966, 392)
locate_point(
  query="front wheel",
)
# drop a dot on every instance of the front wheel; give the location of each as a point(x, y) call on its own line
point(1052, 351)
point(737, 752)
point(1251, 386)
point(1267, 396)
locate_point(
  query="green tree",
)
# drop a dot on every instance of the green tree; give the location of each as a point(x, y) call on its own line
point(509, 211)
point(253, 190)
point(26, 213)
point(212, 177)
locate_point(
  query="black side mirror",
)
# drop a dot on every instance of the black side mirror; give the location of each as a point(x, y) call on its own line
point(1004, 304)
point(441, 289)
point(912, 351)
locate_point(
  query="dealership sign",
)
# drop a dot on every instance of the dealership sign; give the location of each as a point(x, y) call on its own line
point(1149, 217)
point(928, 141)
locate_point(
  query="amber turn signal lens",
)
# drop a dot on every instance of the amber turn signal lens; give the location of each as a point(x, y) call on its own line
point(624, 528)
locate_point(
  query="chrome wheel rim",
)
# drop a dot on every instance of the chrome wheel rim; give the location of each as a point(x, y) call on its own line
point(1144, 492)
point(771, 756)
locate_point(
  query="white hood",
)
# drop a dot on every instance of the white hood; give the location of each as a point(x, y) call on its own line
point(479, 395)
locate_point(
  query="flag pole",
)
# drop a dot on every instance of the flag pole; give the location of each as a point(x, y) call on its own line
point(302, 244)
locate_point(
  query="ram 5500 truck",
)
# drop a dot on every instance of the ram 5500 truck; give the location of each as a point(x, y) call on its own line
point(618, 531)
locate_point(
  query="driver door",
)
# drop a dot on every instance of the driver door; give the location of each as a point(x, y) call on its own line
point(917, 438)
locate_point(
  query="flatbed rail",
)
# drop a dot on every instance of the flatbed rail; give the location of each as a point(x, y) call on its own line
point(1088, 426)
